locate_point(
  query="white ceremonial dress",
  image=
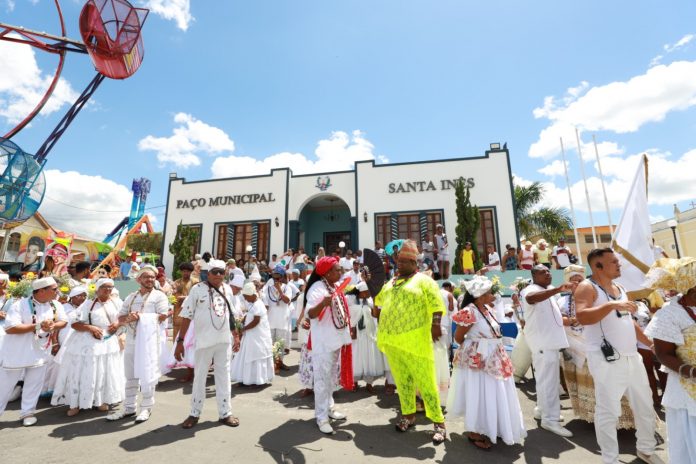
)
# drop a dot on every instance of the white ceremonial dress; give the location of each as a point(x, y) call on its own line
point(482, 388)
point(209, 311)
point(154, 302)
point(278, 311)
point(91, 370)
point(27, 354)
point(368, 361)
point(253, 365)
point(673, 324)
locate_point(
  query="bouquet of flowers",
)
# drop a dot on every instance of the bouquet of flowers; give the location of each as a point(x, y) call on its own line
point(238, 324)
point(519, 284)
point(278, 350)
point(172, 299)
point(497, 288)
point(20, 289)
point(91, 291)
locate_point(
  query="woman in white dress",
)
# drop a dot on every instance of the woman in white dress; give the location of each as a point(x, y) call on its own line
point(368, 361)
point(91, 371)
point(673, 330)
point(253, 365)
point(482, 389)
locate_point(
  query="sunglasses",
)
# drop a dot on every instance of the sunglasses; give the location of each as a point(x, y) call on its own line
point(216, 271)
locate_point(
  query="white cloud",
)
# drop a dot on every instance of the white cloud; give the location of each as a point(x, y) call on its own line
point(339, 152)
point(670, 181)
point(191, 138)
point(619, 107)
point(670, 48)
point(553, 169)
point(76, 202)
point(23, 84)
point(177, 10)
point(9, 5)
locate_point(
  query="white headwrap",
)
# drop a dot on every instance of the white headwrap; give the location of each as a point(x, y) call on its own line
point(103, 281)
point(249, 289)
point(362, 286)
point(255, 277)
point(79, 290)
point(573, 270)
point(38, 284)
point(478, 286)
point(147, 268)
point(237, 281)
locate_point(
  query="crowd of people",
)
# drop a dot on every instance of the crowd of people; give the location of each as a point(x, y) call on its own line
point(441, 348)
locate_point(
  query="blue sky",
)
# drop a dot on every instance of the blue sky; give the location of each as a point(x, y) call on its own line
point(231, 88)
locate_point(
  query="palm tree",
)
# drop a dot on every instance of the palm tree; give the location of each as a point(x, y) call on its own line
point(550, 223)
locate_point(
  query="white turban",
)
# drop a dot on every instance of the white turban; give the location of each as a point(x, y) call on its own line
point(237, 271)
point(478, 286)
point(147, 268)
point(249, 289)
point(101, 282)
point(362, 286)
point(255, 277)
point(238, 281)
point(38, 284)
point(573, 270)
point(79, 290)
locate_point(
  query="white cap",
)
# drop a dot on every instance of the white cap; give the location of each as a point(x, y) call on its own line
point(101, 282)
point(362, 286)
point(237, 281)
point(249, 289)
point(38, 284)
point(217, 264)
point(79, 290)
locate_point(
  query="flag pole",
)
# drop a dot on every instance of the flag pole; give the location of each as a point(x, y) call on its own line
point(587, 193)
point(570, 199)
point(604, 190)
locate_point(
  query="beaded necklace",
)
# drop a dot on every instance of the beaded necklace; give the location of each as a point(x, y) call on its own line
point(339, 308)
point(133, 325)
point(219, 314)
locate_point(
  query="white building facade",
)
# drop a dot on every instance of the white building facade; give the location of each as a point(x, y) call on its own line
point(268, 214)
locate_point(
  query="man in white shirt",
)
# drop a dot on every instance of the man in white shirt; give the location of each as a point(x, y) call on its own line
point(493, 259)
point(30, 326)
point(354, 274)
point(147, 300)
point(209, 305)
point(276, 296)
point(546, 337)
point(346, 262)
point(611, 337)
point(561, 255)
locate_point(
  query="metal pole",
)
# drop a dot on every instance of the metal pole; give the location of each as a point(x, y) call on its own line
point(604, 190)
point(572, 208)
point(676, 244)
point(587, 193)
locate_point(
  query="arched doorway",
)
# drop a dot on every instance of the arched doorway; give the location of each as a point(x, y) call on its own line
point(324, 221)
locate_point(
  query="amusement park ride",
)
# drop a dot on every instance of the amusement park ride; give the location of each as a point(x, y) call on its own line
point(111, 36)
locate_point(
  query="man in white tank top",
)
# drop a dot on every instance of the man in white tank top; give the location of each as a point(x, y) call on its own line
point(612, 357)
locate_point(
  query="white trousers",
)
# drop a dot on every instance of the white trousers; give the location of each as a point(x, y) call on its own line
point(281, 334)
point(220, 356)
point(681, 435)
point(33, 382)
point(612, 380)
point(324, 365)
point(548, 380)
point(133, 384)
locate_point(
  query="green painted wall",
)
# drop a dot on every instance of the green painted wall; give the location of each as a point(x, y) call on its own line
point(314, 224)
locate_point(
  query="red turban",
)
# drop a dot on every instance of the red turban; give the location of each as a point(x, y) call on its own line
point(325, 264)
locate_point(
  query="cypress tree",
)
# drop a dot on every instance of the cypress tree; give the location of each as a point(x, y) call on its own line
point(183, 247)
point(468, 225)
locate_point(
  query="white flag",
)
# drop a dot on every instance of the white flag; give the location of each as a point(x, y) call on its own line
point(633, 237)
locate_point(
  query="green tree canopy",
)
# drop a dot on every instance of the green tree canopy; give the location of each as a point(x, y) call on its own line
point(468, 224)
point(535, 221)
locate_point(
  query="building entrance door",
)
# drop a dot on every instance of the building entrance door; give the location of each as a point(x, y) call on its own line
point(332, 239)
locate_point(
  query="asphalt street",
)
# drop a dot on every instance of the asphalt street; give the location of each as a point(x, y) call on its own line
point(277, 425)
